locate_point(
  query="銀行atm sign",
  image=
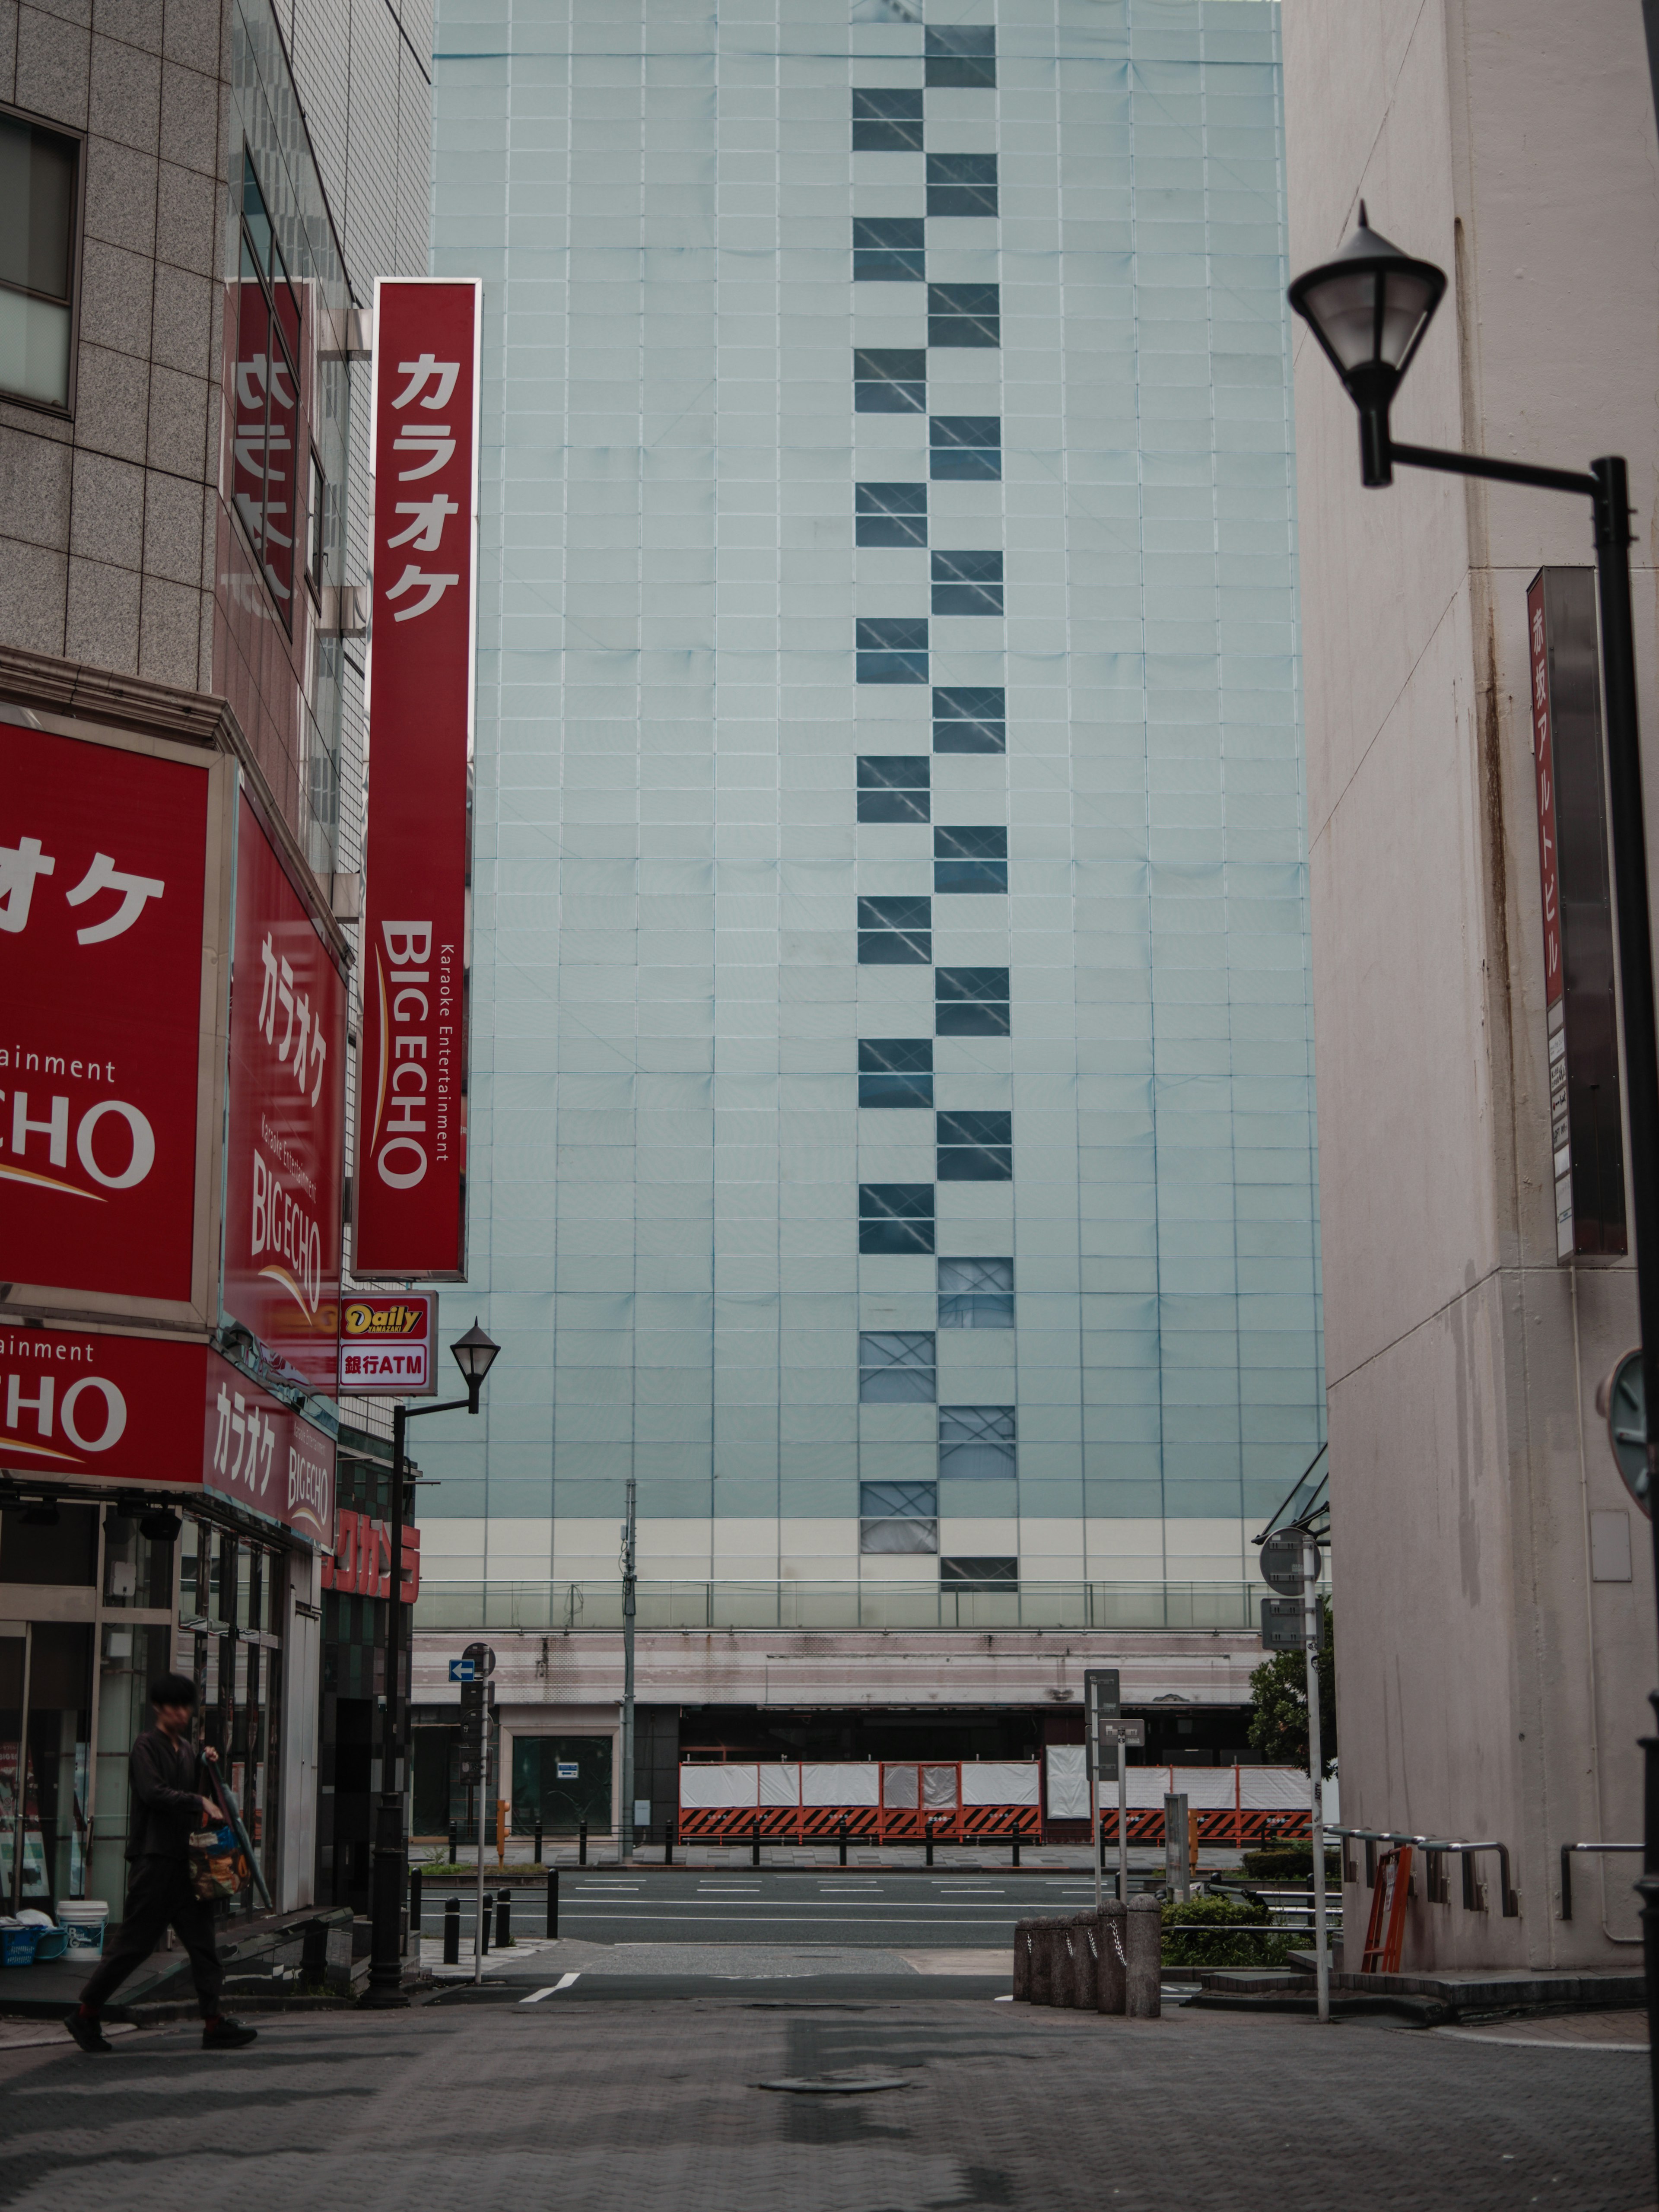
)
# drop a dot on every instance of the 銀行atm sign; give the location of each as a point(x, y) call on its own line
point(410, 1185)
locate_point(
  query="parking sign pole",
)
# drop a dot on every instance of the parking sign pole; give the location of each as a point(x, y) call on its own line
point(1091, 1762)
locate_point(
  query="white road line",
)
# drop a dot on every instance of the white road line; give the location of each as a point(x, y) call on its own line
point(552, 1989)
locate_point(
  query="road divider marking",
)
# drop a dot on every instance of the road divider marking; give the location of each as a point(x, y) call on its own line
point(552, 1989)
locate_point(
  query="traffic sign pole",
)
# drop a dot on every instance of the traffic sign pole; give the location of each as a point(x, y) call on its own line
point(1311, 1625)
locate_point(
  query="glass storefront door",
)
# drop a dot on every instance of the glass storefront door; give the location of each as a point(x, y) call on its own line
point(45, 1714)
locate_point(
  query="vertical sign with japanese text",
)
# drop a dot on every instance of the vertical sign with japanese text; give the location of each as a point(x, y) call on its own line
point(408, 1189)
point(286, 1136)
point(1549, 886)
point(111, 875)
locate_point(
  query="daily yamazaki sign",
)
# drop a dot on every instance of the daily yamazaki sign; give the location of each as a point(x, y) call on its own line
point(385, 1345)
point(113, 899)
point(409, 1182)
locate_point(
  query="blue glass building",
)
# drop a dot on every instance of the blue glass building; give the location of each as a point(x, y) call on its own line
point(891, 1134)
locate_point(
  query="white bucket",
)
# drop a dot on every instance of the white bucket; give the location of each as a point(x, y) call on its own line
point(83, 1920)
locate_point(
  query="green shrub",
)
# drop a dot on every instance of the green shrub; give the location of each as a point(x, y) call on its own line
point(1289, 1862)
point(1218, 1931)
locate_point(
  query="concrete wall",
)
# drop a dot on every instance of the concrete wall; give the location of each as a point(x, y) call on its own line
point(1487, 1687)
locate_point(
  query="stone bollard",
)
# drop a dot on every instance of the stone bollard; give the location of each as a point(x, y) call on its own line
point(1043, 1962)
point(1090, 1936)
point(1143, 1946)
point(1066, 1962)
point(1110, 1960)
point(1022, 1962)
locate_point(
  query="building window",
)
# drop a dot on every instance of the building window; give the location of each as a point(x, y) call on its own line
point(265, 398)
point(976, 1147)
point(895, 1071)
point(898, 1516)
point(983, 1575)
point(976, 1442)
point(964, 315)
point(894, 786)
point(964, 448)
point(970, 1002)
point(897, 1367)
point(969, 857)
point(890, 380)
point(966, 583)
point(894, 933)
point(890, 513)
point(896, 1217)
point(975, 1293)
point(892, 652)
point(971, 720)
point(887, 122)
point(889, 249)
point(39, 197)
point(959, 56)
point(961, 184)
point(317, 535)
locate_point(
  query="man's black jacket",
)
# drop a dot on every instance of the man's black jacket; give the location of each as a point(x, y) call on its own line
point(169, 1781)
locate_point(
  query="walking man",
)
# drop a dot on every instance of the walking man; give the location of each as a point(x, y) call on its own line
point(168, 1801)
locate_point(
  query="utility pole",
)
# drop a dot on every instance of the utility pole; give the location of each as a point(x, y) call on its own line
point(629, 1579)
point(1312, 1626)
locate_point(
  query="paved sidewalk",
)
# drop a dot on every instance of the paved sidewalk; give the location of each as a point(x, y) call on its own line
point(654, 2107)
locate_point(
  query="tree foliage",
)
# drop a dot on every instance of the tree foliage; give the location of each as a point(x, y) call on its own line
point(1278, 1713)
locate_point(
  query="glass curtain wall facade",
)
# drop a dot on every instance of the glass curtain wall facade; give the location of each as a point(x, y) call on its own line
point(892, 1131)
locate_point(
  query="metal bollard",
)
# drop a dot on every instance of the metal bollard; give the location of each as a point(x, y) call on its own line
point(538, 1842)
point(1112, 1962)
point(668, 1843)
point(581, 1845)
point(484, 1917)
point(929, 1860)
point(414, 1911)
point(1043, 1962)
point(454, 1844)
point(1143, 1969)
point(552, 1903)
point(1016, 1851)
point(843, 1839)
point(503, 1918)
point(754, 1844)
point(452, 1931)
point(1022, 1962)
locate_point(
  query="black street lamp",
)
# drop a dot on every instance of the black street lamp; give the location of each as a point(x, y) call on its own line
point(474, 1354)
point(1368, 309)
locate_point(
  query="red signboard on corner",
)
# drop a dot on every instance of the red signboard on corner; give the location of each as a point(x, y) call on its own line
point(409, 1188)
point(113, 852)
point(286, 1134)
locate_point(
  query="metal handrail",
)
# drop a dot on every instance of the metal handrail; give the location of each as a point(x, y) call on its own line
point(1453, 1847)
point(1567, 1851)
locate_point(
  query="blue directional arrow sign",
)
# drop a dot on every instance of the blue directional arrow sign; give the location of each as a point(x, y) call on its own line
point(462, 1670)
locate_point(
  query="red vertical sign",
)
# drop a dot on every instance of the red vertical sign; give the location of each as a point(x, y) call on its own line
point(286, 1138)
point(1543, 762)
point(409, 1187)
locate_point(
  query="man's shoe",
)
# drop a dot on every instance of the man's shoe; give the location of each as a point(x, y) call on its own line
point(87, 2032)
point(225, 2034)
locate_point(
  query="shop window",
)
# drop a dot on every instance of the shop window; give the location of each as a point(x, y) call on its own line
point(264, 400)
point(40, 255)
point(975, 1293)
point(970, 857)
point(890, 513)
point(971, 1001)
point(898, 1516)
point(894, 933)
point(970, 720)
point(889, 249)
point(977, 1442)
point(886, 121)
point(896, 1072)
point(965, 448)
point(961, 184)
point(896, 1217)
point(897, 1367)
point(894, 786)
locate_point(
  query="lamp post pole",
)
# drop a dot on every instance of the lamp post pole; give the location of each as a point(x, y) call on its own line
point(474, 1352)
point(1369, 308)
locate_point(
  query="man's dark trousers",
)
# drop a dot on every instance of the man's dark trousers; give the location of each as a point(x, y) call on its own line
point(159, 1895)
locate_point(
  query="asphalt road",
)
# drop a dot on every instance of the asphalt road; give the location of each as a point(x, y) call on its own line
point(691, 1905)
